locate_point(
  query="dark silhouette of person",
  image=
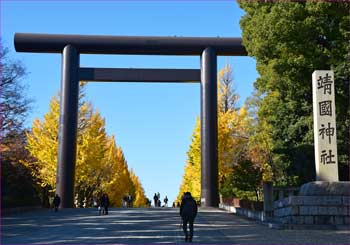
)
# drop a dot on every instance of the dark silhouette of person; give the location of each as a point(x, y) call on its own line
point(188, 212)
point(100, 210)
point(125, 201)
point(56, 202)
point(155, 198)
point(129, 201)
point(166, 201)
point(104, 203)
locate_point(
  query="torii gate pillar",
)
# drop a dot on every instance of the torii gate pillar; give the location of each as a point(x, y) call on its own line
point(209, 129)
point(67, 136)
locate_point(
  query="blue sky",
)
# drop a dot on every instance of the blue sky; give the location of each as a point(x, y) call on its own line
point(152, 122)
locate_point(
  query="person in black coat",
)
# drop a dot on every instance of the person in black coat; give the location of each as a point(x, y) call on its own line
point(188, 212)
point(56, 202)
point(105, 203)
point(155, 198)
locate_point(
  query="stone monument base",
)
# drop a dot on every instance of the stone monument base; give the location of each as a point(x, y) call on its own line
point(318, 203)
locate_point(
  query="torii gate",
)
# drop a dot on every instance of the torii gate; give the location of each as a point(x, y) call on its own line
point(71, 46)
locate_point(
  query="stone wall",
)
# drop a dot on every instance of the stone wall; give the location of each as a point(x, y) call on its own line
point(257, 215)
point(316, 206)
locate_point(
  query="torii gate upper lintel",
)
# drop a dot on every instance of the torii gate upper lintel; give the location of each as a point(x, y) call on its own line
point(71, 46)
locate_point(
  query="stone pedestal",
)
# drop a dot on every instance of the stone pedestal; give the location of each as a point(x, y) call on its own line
point(318, 203)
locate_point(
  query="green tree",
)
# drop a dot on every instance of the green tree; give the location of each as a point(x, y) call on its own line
point(246, 177)
point(290, 41)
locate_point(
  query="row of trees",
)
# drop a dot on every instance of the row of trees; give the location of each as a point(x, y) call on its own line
point(29, 158)
point(271, 136)
point(100, 164)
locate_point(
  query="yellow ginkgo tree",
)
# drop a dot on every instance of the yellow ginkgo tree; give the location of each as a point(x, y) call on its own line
point(100, 164)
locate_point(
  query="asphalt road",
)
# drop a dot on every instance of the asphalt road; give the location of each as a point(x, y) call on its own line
point(153, 225)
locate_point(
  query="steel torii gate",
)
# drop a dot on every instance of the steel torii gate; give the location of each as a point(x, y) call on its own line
point(71, 46)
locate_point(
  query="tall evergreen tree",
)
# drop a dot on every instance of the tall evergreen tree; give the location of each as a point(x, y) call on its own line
point(290, 41)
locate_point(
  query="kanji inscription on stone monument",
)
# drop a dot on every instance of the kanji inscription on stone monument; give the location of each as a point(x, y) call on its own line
point(325, 135)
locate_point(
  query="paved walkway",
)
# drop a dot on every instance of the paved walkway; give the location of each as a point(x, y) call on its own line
point(154, 225)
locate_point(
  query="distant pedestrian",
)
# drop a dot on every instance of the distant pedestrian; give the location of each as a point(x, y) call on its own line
point(101, 206)
point(188, 212)
point(129, 201)
point(104, 204)
point(155, 199)
point(166, 201)
point(56, 202)
point(125, 201)
point(95, 203)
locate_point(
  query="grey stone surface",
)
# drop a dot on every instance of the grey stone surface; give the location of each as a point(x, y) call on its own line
point(339, 220)
point(309, 220)
point(322, 200)
point(145, 226)
point(308, 210)
point(323, 210)
point(346, 201)
point(299, 220)
point(324, 188)
point(324, 220)
point(295, 210)
point(295, 200)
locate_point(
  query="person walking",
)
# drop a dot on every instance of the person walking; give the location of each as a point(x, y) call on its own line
point(188, 212)
point(102, 204)
point(56, 202)
point(166, 201)
point(106, 203)
point(130, 201)
point(155, 198)
point(125, 201)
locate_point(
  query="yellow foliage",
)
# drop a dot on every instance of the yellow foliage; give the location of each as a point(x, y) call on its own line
point(100, 163)
point(233, 128)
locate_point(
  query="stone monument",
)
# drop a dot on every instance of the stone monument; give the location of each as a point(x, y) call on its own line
point(324, 203)
point(325, 135)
